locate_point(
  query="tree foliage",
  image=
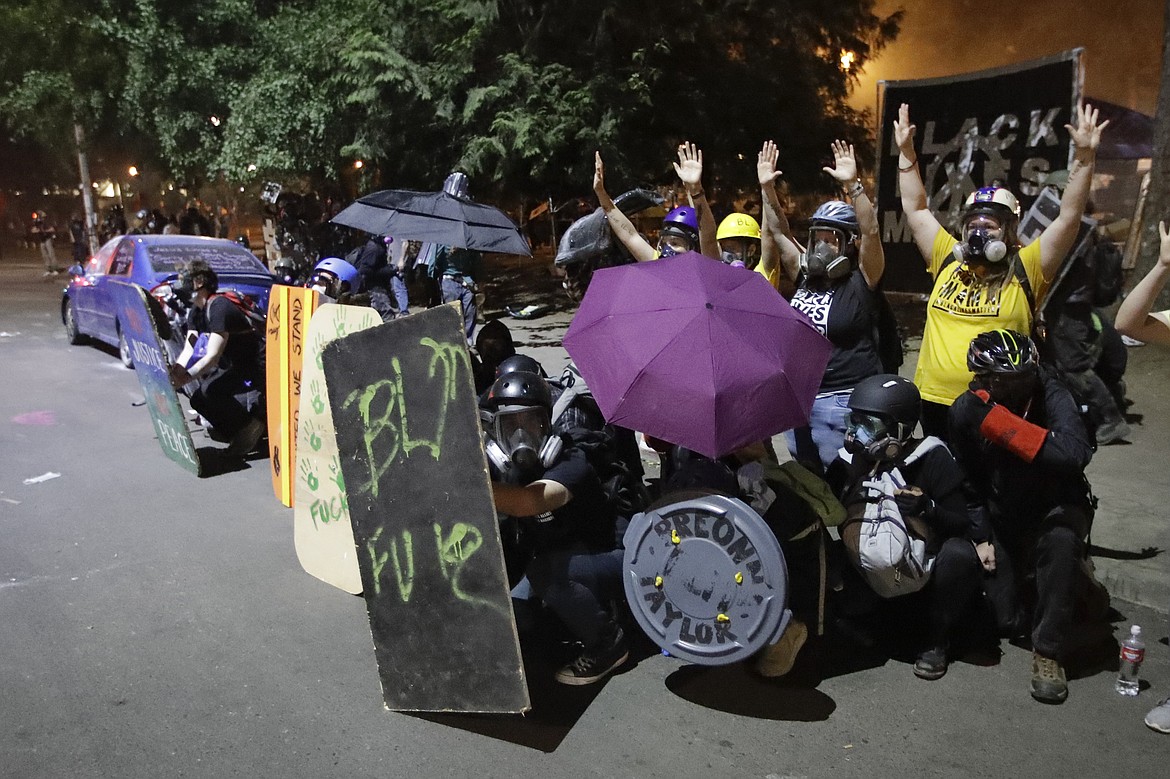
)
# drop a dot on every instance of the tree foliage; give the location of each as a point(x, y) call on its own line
point(518, 93)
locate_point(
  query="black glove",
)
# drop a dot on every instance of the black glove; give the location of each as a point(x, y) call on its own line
point(914, 504)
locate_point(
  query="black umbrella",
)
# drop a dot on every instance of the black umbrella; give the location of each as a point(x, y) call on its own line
point(435, 217)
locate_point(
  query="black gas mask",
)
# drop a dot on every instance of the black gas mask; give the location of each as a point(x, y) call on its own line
point(520, 443)
point(1013, 391)
point(826, 259)
point(874, 437)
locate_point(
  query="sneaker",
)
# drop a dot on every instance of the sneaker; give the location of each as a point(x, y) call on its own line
point(778, 659)
point(931, 664)
point(1125, 339)
point(245, 441)
point(1048, 681)
point(1159, 717)
point(598, 661)
point(1112, 432)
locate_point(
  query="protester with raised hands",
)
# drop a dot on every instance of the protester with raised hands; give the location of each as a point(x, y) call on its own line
point(986, 280)
point(1136, 317)
point(836, 280)
point(685, 228)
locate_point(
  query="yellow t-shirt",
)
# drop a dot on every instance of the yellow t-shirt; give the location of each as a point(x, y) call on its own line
point(956, 313)
point(773, 277)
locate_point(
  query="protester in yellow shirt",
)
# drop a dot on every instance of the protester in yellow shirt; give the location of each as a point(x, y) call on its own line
point(979, 282)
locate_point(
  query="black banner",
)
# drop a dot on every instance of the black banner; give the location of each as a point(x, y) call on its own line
point(428, 546)
point(1004, 125)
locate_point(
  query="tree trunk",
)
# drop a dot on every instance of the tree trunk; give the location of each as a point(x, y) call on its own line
point(87, 187)
point(1158, 197)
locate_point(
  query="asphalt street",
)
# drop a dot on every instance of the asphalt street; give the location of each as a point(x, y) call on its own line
point(156, 624)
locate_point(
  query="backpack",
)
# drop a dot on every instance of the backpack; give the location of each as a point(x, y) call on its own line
point(1108, 275)
point(889, 550)
point(889, 340)
point(248, 307)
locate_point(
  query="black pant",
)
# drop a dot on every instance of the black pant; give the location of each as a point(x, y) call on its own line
point(229, 400)
point(577, 584)
point(1052, 548)
point(954, 582)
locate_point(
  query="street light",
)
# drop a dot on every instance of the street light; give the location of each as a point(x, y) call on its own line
point(214, 120)
point(847, 59)
point(357, 164)
point(133, 171)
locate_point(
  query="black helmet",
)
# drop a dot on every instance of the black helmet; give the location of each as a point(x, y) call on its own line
point(520, 363)
point(1003, 352)
point(519, 388)
point(889, 396)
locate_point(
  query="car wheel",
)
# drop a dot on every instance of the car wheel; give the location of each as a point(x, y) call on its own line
point(72, 332)
point(124, 349)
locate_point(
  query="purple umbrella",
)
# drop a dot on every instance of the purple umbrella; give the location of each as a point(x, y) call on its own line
point(696, 352)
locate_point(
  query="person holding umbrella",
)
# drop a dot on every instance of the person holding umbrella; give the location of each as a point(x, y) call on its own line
point(683, 229)
point(986, 280)
point(836, 282)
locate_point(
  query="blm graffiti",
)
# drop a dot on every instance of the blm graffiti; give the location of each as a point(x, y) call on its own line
point(1004, 125)
point(418, 494)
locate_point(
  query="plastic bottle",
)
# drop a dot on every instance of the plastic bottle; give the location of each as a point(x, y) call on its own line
point(1133, 651)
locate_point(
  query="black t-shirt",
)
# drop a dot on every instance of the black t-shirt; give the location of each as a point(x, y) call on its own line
point(846, 313)
point(244, 350)
point(587, 517)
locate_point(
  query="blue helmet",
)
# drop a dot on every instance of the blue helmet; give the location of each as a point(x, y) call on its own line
point(836, 214)
point(344, 272)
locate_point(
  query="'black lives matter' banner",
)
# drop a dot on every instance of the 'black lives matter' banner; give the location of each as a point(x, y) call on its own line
point(1005, 124)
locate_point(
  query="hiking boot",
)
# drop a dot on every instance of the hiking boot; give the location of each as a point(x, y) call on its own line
point(778, 659)
point(245, 441)
point(1112, 432)
point(1159, 717)
point(931, 664)
point(597, 661)
point(1048, 681)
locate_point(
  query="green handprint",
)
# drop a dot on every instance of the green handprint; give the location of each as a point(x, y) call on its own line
point(318, 393)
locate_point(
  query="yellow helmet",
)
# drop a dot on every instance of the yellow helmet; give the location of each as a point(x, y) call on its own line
point(738, 226)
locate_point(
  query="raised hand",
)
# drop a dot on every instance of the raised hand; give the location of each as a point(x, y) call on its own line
point(1164, 247)
point(598, 173)
point(1087, 133)
point(844, 163)
point(690, 166)
point(766, 163)
point(904, 131)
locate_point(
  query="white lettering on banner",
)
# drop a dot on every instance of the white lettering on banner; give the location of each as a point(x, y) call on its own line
point(145, 355)
point(174, 441)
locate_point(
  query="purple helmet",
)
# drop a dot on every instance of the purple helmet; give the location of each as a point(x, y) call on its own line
point(683, 216)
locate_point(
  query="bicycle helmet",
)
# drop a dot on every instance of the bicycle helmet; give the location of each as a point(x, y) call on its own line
point(835, 214)
point(1002, 352)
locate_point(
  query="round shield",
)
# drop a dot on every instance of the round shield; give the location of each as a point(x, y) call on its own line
point(706, 579)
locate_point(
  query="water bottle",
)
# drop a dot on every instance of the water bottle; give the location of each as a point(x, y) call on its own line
point(1133, 651)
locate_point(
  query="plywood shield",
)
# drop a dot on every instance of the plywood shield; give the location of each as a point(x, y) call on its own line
point(289, 311)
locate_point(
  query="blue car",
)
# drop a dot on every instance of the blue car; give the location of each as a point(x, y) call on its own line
point(152, 262)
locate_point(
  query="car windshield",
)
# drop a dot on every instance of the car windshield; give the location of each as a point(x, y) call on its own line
point(222, 259)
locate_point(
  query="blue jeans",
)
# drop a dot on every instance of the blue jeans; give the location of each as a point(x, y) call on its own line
point(816, 445)
point(455, 290)
point(577, 585)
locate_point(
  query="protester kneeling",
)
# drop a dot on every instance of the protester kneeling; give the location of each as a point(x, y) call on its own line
point(1020, 438)
point(908, 530)
point(575, 564)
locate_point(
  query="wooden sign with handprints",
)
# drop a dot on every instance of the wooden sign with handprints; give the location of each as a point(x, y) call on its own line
point(289, 313)
point(417, 486)
point(321, 528)
point(153, 370)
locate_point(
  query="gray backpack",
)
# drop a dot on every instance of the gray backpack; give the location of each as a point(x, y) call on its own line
point(888, 549)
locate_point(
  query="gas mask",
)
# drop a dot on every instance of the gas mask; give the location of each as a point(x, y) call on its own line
point(183, 288)
point(327, 284)
point(520, 443)
point(672, 243)
point(873, 436)
point(981, 243)
point(824, 259)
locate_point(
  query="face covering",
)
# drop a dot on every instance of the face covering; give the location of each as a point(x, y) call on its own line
point(824, 260)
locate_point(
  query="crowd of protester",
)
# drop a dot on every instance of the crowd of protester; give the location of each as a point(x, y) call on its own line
point(978, 462)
